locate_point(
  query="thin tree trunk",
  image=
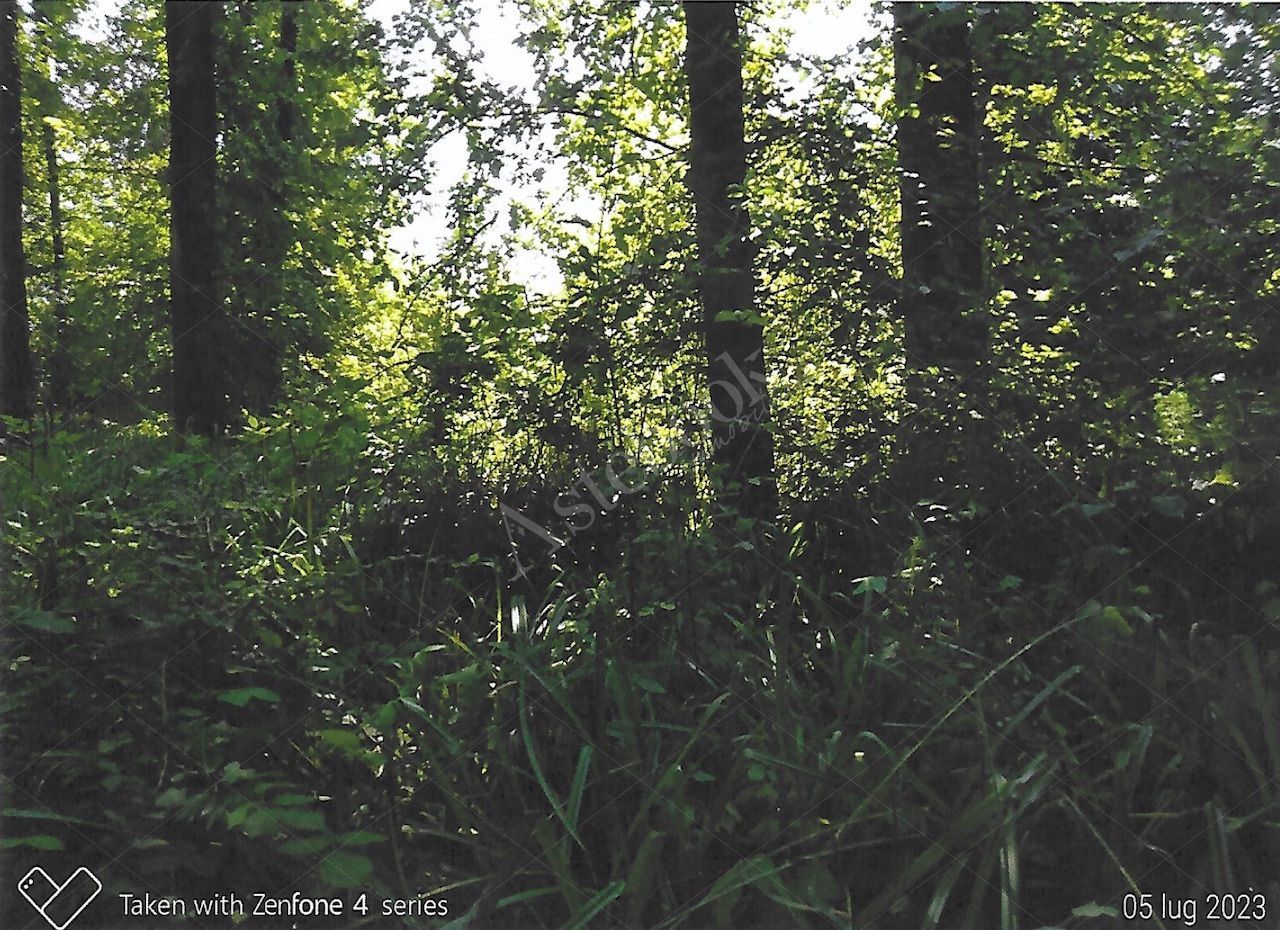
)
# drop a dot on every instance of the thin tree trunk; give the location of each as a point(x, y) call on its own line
point(938, 157)
point(197, 317)
point(264, 330)
point(734, 333)
point(60, 367)
point(50, 105)
point(942, 303)
point(285, 109)
point(17, 373)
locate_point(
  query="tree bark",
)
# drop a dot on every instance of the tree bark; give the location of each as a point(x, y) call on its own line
point(286, 112)
point(264, 327)
point(942, 300)
point(60, 361)
point(17, 372)
point(60, 365)
point(733, 331)
point(197, 317)
point(942, 254)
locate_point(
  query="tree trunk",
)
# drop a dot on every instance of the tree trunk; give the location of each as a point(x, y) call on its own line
point(276, 231)
point(938, 157)
point(942, 302)
point(197, 317)
point(17, 374)
point(285, 107)
point(264, 327)
point(60, 361)
point(46, 93)
point(734, 333)
point(60, 366)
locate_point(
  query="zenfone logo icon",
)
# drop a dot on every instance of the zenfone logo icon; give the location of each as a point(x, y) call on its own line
point(59, 904)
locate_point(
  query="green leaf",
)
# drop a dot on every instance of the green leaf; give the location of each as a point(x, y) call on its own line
point(307, 846)
point(385, 719)
point(361, 838)
point(239, 697)
point(648, 684)
point(293, 800)
point(1114, 621)
point(172, 797)
point(640, 876)
point(43, 841)
point(539, 776)
point(529, 895)
point(267, 821)
point(347, 741)
point(744, 873)
point(463, 922)
point(463, 676)
point(32, 814)
point(1017, 719)
point(579, 785)
point(1093, 909)
point(299, 820)
point(345, 870)
point(597, 903)
point(817, 885)
point(44, 621)
point(871, 583)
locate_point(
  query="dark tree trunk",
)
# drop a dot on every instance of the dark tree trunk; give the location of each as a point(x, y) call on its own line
point(942, 303)
point(50, 102)
point(734, 333)
point(285, 107)
point(197, 318)
point(60, 367)
point(17, 374)
point(263, 333)
point(938, 159)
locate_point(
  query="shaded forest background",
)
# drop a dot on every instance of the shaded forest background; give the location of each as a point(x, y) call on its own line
point(875, 527)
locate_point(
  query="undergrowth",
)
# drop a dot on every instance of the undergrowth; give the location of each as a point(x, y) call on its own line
point(271, 659)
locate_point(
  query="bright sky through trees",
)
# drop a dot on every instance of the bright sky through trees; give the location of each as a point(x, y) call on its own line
point(824, 28)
